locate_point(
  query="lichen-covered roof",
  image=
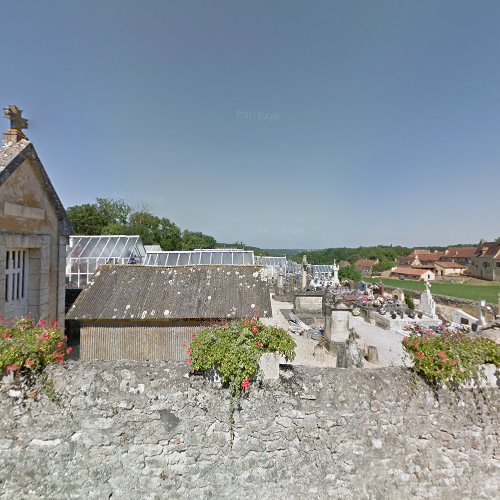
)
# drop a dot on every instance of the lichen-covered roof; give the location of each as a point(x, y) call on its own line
point(180, 292)
point(12, 156)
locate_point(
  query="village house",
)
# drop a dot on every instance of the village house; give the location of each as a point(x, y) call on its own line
point(449, 269)
point(34, 230)
point(365, 266)
point(412, 274)
point(462, 255)
point(149, 312)
point(485, 264)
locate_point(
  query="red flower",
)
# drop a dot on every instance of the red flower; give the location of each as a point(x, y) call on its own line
point(11, 368)
point(245, 384)
point(69, 350)
point(42, 323)
point(45, 336)
point(255, 329)
point(188, 361)
point(28, 362)
point(419, 355)
point(60, 344)
point(260, 344)
point(6, 335)
point(189, 351)
point(405, 340)
point(59, 358)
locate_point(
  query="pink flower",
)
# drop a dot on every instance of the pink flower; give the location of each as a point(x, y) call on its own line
point(245, 384)
point(69, 350)
point(28, 362)
point(189, 351)
point(42, 323)
point(419, 355)
point(60, 344)
point(45, 336)
point(252, 321)
point(59, 358)
point(260, 344)
point(184, 345)
point(255, 329)
point(7, 336)
point(188, 361)
point(11, 368)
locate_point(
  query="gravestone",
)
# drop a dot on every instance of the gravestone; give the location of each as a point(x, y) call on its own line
point(427, 304)
point(336, 323)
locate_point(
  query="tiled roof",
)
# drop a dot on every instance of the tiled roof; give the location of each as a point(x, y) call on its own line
point(181, 292)
point(430, 256)
point(489, 249)
point(409, 271)
point(461, 252)
point(451, 265)
point(365, 263)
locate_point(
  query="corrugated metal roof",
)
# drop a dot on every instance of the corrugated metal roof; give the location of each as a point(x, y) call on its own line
point(180, 292)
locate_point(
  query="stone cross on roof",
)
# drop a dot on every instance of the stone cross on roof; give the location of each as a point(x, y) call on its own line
point(17, 124)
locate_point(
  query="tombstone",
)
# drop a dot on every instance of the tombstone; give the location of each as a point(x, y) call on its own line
point(304, 272)
point(349, 354)
point(480, 316)
point(335, 279)
point(336, 324)
point(398, 294)
point(427, 304)
point(280, 284)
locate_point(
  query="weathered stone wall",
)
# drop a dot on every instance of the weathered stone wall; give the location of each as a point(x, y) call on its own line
point(144, 430)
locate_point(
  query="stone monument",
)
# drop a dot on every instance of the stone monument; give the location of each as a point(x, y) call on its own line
point(304, 272)
point(427, 304)
point(335, 278)
point(336, 324)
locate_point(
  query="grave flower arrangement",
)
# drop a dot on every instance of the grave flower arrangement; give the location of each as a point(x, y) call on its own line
point(448, 354)
point(28, 346)
point(234, 350)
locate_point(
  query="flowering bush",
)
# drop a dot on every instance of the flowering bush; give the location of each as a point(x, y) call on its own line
point(449, 354)
point(27, 345)
point(234, 350)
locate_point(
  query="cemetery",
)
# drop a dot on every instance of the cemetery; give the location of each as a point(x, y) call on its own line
point(209, 372)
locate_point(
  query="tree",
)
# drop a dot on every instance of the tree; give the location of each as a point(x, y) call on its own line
point(94, 218)
point(192, 240)
point(155, 230)
point(383, 265)
point(350, 273)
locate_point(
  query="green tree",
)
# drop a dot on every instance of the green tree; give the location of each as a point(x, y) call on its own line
point(383, 265)
point(350, 273)
point(155, 230)
point(192, 240)
point(93, 218)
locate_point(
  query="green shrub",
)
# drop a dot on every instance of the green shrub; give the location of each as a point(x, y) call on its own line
point(27, 345)
point(234, 350)
point(449, 355)
point(409, 302)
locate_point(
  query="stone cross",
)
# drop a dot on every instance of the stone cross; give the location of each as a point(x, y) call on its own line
point(13, 113)
point(17, 124)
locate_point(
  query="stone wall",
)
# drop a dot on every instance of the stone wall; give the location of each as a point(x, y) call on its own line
point(144, 430)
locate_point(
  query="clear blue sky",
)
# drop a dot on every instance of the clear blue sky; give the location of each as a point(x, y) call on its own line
point(278, 123)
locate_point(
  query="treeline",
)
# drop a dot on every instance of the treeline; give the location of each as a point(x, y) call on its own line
point(380, 252)
point(107, 216)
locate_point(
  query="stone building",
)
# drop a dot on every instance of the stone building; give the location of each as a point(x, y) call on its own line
point(365, 266)
point(485, 264)
point(34, 230)
point(149, 312)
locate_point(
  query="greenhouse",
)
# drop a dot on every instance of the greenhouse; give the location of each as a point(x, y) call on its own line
point(200, 257)
point(86, 253)
point(277, 262)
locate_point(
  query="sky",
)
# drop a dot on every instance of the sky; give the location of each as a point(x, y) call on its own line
point(282, 124)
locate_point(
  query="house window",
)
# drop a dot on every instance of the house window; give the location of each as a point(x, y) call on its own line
point(15, 276)
point(498, 264)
